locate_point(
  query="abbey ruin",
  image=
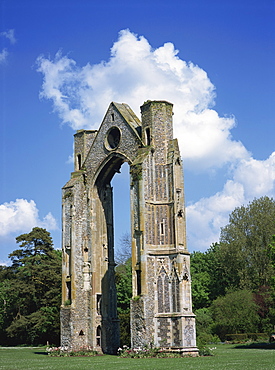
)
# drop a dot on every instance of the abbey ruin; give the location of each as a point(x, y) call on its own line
point(161, 307)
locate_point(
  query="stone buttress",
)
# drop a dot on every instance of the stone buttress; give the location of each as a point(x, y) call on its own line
point(161, 307)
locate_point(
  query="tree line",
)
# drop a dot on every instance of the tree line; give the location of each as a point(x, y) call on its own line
point(233, 282)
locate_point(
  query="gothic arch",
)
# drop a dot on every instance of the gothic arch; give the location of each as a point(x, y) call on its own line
point(157, 229)
point(109, 167)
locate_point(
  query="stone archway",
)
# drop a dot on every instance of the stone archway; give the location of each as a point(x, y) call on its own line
point(159, 253)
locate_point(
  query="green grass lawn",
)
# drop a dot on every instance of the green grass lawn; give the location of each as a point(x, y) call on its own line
point(226, 357)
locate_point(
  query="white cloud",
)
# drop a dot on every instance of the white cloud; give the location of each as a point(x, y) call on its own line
point(3, 55)
point(134, 73)
point(257, 176)
point(208, 215)
point(21, 216)
point(205, 140)
point(9, 35)
point(251, 179)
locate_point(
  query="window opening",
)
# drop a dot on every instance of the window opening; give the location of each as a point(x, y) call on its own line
point(98, 303)
point(162, 228)
point(113, 137)
point(69, 290)
point(148, 136)
point(78, 161)
point(98, 336)
point(138, 272)
point(68, 261)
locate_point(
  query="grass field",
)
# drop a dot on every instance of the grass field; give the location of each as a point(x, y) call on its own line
point(226, 357)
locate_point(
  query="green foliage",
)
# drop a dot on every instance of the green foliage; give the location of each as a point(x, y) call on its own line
point(204, 320)
point(204, 325)
point(208, 281)
point(201, 277)
point(240, 338)
point(30, 291)
point(124, 286)
point(124, 295)
point(243, 261)
point(246, 251)
point(123, 281)
point(125, 331)
point(236, 312)
point(206, 351)
point(206, 339)
point(264, 298)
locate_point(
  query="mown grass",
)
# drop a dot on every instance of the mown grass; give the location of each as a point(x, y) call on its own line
point(226, 357)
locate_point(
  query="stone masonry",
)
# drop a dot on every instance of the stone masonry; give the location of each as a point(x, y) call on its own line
point(161, 307)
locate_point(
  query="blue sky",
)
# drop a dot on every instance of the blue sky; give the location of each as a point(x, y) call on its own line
point(63, 62)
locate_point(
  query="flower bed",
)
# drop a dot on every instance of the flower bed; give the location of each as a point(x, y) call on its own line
point(149, 352)
point(66, 352)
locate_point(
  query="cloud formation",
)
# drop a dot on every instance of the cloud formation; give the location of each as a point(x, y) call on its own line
point(21, 216)
point(3, 55)
point(10, 36)
point(134, 73)
point(251, 179)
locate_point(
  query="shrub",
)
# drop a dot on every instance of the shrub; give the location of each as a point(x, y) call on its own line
point(146, 352)
point(236, 312)
point(244, 337)
point(206, 338)
point(206, 351)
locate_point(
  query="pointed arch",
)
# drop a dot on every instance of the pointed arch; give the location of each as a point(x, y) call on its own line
point(163, 291)
point(175, 291)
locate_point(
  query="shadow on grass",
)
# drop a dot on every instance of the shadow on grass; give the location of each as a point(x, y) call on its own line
point(260, 345)
point(41, 353)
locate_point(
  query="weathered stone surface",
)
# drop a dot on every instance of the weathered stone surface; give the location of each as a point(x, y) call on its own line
point(161, 308)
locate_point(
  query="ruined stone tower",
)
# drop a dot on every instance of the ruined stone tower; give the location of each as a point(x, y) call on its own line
point(161, 307)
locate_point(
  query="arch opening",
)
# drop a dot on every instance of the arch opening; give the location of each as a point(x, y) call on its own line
point(122, 228)
point(114, 200)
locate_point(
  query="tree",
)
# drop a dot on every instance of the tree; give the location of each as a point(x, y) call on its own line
point(208, 280)
point(264, 298)
point(124, 295)
point(235, 313)
point(243, 261)
point(201, 277)
point(124, 252)
point(245, 249)
point(204, 327)
point(124, 287)
point(34, 288)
